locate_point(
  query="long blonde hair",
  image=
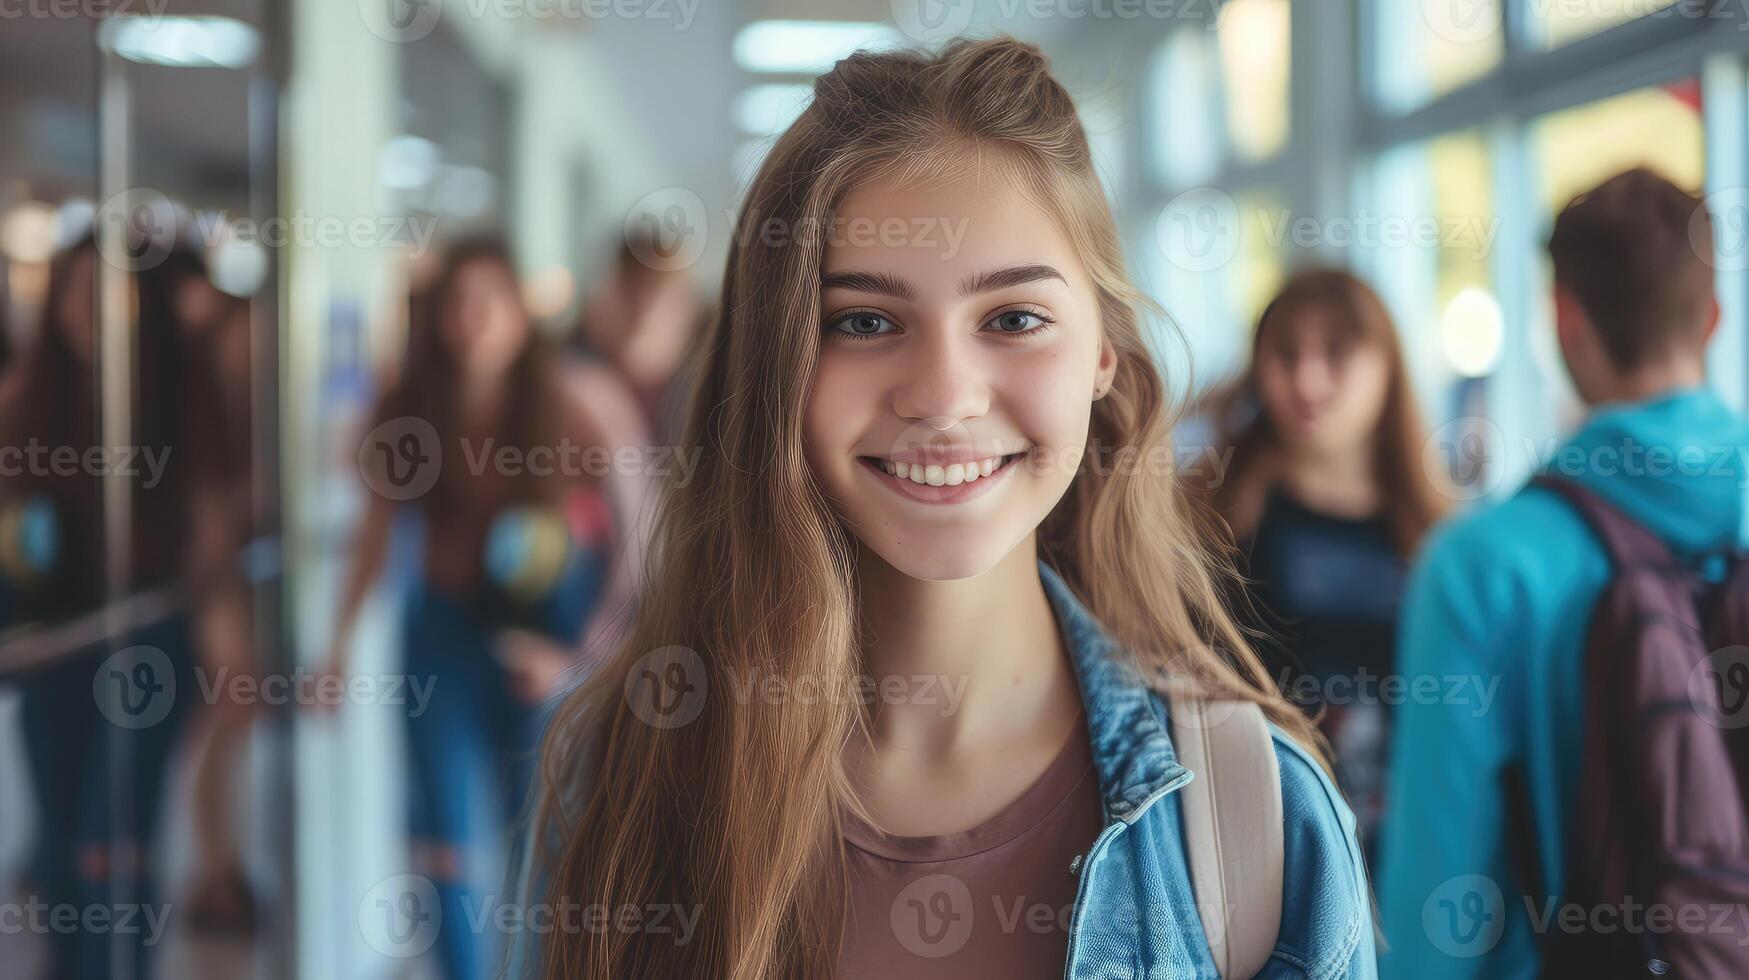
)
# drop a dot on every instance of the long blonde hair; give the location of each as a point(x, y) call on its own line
point(734, 816)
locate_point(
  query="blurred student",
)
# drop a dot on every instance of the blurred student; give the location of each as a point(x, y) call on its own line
point(1490, 855)
point(894, 500)
point(515, 546)
point(642, 322)
point(215, 332)
point(1326, 494)
point(99, 730)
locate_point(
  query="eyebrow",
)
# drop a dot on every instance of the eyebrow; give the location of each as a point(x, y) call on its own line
point(983, 282)
point(868, 282)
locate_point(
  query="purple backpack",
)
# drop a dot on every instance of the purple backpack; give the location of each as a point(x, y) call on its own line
point(1658, 848)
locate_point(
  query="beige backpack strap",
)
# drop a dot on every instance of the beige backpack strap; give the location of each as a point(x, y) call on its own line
point(1232, 827)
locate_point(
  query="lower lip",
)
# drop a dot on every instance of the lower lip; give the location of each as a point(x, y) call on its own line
point(924, 493)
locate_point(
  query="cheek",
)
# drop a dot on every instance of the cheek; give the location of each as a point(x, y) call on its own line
point(1048, 396)
point(1273, 387)
point(840, 402)
point(1363, 385)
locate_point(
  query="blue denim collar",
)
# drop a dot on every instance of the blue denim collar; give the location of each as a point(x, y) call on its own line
point(1126, 719)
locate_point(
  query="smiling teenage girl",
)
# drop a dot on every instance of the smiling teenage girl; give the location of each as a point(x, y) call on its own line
point(918, 479)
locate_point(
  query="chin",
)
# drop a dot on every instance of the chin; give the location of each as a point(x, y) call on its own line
point(939, 560)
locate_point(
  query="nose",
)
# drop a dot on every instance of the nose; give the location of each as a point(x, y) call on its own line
point(944, 381)
point(1313, 378)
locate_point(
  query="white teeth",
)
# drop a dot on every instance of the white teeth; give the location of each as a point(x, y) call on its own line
point(936, 475)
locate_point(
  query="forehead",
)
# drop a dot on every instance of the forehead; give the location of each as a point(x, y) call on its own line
point(939, 228)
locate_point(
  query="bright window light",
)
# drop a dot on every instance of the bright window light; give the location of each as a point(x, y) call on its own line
point(181, 42)
point(1472, 330)
point(807, 47)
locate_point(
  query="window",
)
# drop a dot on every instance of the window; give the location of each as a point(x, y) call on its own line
point(1256, 66)
point(1221, 263)
point(1657, 127)
point(1428, 49)
point(1438, 227)
point(1185, 140)
point(1554, 23)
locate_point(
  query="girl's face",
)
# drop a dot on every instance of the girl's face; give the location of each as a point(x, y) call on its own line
point(484, 325)
point(1322, 388)
point(960, 353)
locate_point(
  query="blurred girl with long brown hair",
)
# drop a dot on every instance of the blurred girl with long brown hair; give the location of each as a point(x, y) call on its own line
point(101, 716)
point(1328, 496)
point(522, 542)
point(891, 705)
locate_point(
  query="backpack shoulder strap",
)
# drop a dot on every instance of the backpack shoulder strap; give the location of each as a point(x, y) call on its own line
point(1232, 827)
point(1627, 541)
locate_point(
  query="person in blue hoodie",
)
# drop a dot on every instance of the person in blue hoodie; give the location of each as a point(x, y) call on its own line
point(1483, 790)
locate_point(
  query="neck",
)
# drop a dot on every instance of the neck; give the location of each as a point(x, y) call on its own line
point(1336, 481)
point(1652, 381)
point(990, 645)
point(481, 398)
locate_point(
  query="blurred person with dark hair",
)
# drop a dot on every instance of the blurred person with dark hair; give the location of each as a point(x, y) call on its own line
point(641, 322)
point(1485, 833)
point(524, 548)
point(99, 761)
point(1327, 498)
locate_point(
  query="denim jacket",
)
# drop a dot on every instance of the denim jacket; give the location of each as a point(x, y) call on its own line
point(1135, 915)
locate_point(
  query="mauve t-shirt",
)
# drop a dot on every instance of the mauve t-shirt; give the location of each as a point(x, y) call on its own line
point(993, 901)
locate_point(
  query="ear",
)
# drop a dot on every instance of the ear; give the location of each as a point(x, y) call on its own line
point(1712, 320)
point(1107, 369)
point(1571, 321)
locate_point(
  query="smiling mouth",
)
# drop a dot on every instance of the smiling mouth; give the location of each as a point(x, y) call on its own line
point(941, 482)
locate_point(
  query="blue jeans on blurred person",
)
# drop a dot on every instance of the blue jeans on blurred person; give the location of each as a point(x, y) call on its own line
point(474, 740)
point(99, 729)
